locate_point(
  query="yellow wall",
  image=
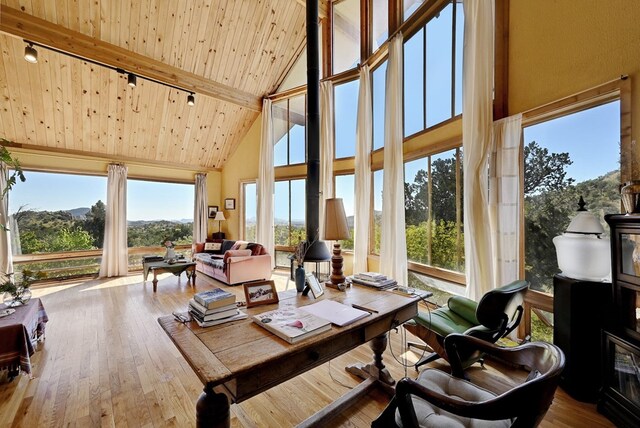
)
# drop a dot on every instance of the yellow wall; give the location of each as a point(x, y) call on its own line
point(560, 47)
point(242, 165)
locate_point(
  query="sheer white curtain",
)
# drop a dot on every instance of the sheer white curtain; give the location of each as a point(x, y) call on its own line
point(200, 214)
point(504, 199)
point(326, 149)
point(264, 185)
point(6, 259)
point(114, 250)
point(393, 248)
point(362, 202)
point(477, 120)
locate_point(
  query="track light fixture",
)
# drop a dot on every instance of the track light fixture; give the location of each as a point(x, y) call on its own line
point(30, 54)
point(131, 80)
point(191, 100)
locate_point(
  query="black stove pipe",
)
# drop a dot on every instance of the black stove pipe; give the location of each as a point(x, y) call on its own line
point(315, 249)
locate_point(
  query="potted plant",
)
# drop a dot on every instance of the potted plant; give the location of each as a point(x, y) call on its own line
point(15, 288)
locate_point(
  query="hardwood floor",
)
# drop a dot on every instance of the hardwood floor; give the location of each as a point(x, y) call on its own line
point(107, 362)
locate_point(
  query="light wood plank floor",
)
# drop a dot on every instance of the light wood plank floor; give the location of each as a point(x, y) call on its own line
point(107, 362)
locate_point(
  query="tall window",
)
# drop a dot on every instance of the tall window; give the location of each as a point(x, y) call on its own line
point(250, 211)
point(346, 115)
point(51, 213)
point(433, 210)
point(378, 177)
point(409, 7)
point(565, 158)
point(346, 35)
point(151, 222)
point(289, 130)
point(379, 78)
point(433, 71)
point(379, 23)
point(345, 189)
point(289, 209)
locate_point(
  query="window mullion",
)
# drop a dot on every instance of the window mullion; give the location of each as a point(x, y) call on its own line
point(429, 212)
point(453, 60)
point(424, 77)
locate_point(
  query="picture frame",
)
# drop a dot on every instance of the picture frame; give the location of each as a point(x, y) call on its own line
point(212, 210)
point(230, 204)
point(260, 293)
point(314, 285)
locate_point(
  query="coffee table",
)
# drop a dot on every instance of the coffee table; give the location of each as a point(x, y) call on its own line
point(176, 268)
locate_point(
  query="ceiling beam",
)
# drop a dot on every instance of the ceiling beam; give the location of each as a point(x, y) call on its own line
point(28, 27)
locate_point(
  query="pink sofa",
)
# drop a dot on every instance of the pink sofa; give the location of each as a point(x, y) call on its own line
point(233, 266)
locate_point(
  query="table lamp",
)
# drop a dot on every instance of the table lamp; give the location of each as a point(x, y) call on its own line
point(219, 218)
point(335, 229)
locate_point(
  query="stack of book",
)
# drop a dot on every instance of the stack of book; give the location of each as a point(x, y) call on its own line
point(374, 280)
point(214, 307)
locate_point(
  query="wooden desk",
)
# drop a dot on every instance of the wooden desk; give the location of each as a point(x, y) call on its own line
point(238, 360)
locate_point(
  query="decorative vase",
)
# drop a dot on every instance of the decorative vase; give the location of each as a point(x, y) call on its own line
point(630, 194)
point(20, 297)
point(171, 253)
point(300, 279)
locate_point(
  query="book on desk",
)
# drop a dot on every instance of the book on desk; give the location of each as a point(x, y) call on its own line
point(291, 323)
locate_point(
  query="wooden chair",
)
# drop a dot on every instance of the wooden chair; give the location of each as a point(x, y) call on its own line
point(439, 399)
point(496, 315)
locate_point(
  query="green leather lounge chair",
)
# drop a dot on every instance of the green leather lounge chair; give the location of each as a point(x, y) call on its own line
point(496, 315)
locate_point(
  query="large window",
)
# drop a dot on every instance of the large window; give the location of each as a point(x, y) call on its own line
point(289, 210)
point(250, 211)
point(379, 23)
point(51, 213)
point(433, 210)
point(565, 158)
point(345, 189)
point(289, 130)
point(346, 35)
point(433, 71)
point(158, 212)
point(346, 118)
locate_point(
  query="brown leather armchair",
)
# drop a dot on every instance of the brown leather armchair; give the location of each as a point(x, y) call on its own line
point(439, 399)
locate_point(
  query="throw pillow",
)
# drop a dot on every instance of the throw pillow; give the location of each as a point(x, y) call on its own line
point(240, 245)
point(198, 247)
point(236, 253)
point(256, 249)
point(211, 247)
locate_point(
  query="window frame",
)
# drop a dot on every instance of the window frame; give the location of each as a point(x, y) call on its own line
point(296, 92)
point(243, 206)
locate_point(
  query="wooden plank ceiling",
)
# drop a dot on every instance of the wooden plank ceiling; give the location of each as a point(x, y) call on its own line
point(66, 104)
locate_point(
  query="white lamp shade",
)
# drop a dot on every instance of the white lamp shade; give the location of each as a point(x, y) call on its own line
point(335, 220)
point(219, 216)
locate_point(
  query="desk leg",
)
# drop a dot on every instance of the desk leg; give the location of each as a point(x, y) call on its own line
point(376, 368)
point(155, 280)
point(212, 410)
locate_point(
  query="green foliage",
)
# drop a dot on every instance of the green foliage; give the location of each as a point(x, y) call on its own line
point(94, 223)
point(155, 233)
point(12, 164)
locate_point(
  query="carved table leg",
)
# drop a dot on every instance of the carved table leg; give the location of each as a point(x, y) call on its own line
point(376, 368)
point(212, 410)
point(155, 280)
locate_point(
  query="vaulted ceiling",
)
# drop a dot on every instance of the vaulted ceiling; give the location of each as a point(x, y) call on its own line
point(230, 52)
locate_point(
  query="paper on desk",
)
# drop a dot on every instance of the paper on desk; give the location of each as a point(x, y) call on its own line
point(336, 312)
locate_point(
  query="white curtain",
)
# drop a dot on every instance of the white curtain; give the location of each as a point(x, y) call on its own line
point(393, 248)
point(504, 199)
point(477, 121)
point(6, 259)
point(114, 250)
point(264, 184)
point(326, 149)
point(362, 202)
point(200, 214)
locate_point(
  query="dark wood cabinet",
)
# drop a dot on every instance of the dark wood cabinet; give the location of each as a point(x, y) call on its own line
point(620, 398)
point(580, 310)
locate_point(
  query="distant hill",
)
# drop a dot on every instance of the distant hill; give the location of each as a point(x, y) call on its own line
point(78, 213)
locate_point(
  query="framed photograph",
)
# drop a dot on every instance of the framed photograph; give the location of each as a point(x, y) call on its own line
point(213, 209)
point(229, 204)
point(260, 293)
point(314, 285)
